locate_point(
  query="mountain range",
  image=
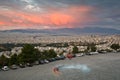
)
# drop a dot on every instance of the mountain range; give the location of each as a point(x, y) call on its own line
point(87, 30)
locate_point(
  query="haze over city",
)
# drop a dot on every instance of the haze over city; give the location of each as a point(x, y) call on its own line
point(55, 14)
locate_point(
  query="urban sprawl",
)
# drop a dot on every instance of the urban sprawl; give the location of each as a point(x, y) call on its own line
point(78, 45)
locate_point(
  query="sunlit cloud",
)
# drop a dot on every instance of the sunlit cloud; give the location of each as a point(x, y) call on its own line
point(2, 23)
point(41, 14)
point(72, 16)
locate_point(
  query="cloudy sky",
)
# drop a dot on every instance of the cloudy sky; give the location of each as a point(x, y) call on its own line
point(52, 14)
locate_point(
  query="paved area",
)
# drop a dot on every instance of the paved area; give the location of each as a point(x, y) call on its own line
point(101, 67)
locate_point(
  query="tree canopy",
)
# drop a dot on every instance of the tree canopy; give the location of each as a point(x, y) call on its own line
point(3, 61)
point(13, 59)
point(75, 49)
point(91, 48)
point(28, 55)
point(48, 54)
point(115, 46)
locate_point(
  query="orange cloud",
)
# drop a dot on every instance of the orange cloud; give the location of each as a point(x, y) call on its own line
point(61, 19)
point(17, 21)
point(2, 23)
point(69, 17)
point(49, 19)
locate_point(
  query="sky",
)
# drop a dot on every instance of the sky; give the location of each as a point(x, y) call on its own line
point(55, 14)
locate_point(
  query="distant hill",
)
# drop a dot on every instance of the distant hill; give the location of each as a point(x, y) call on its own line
point(92, 30)
point(87, 30)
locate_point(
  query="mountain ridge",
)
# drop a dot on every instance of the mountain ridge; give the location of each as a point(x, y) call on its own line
point(92, 30)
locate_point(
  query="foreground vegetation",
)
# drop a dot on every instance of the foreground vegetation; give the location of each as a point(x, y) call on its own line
point(30, 54)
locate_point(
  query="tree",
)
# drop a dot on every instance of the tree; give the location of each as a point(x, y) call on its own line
point(66, 45)
point(3, 61)
point(88, 49)
point(75, 49)
point(28, 55)
point(115, 46)
point(48, 54)
point(13, 60)
point(20, 58)
point(44, 55)
point(93, 48)
point(52, 53)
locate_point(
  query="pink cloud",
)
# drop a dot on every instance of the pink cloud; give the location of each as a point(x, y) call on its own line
point(70, 17)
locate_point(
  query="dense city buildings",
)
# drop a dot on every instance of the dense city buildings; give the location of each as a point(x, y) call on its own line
point(60, 44)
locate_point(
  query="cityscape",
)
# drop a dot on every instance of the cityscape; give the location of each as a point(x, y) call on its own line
point(59, 40)
point(58, 43)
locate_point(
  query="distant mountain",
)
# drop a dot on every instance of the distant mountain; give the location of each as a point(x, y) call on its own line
point(87, 30)
point(26, 31)
point(91, 30)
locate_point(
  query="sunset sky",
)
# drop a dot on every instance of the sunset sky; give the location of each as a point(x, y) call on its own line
point(53, 14)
